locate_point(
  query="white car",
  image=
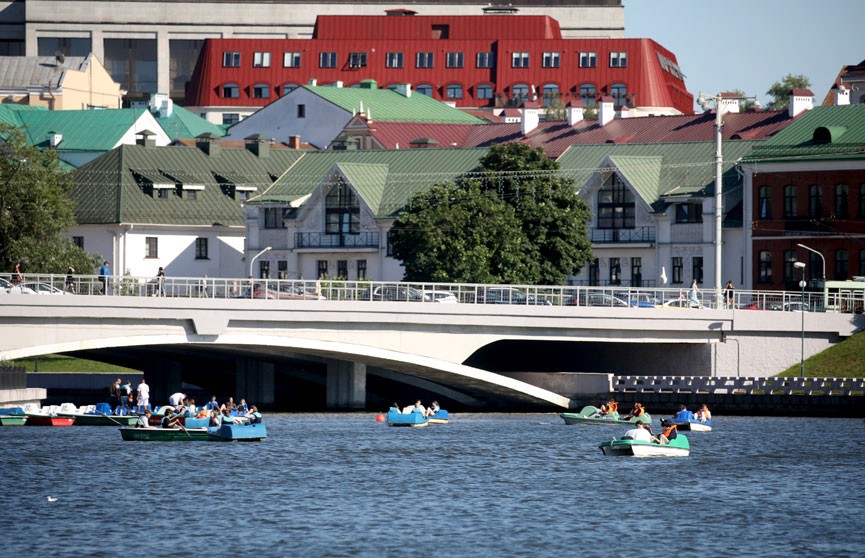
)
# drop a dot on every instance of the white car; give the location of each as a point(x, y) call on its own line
point(682, 303)
point(44, 288)
point(7, 287)
point(443, 297)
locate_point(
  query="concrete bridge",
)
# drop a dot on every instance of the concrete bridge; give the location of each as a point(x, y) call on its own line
point(473, 354)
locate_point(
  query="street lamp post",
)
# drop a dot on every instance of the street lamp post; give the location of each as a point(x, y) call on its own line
point(821, 257)
point(801, 265)
point(255, 257)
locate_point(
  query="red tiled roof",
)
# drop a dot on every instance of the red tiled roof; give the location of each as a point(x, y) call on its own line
point(400, 134)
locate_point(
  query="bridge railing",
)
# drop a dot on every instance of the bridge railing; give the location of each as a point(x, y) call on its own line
point(466, 293)
point(732, 385)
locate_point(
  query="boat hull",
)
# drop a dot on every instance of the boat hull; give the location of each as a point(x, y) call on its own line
point(441, 417)
point(156, 434)
point(694, 426)
point(239, 433)
point(414, 420)
point(49, 420)
point(102, 420)
point(586, 416)
point(678, 447)
point(13, 420)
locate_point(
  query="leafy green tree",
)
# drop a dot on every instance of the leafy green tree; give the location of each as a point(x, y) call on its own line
point(35, 209)
point(513, 220)
point(555, 109)
point(780, 90)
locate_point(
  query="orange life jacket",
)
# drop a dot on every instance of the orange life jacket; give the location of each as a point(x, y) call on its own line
point(669, 430)
point(638, 411)
point(612, 407)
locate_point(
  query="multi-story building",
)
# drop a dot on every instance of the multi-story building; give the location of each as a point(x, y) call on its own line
point(151, 46)
point(491, 61)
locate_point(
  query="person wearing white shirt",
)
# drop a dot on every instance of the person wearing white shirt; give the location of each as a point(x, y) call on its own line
point(143, 396)
point(639, 434)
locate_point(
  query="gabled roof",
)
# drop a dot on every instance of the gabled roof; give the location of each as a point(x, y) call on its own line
point(642, 173)
point(394, 175)
point(116, 187)
point(400, 135)
point(182, 123)
point(384, 105)
point(21, 72)
point(82, 130)
point(823, 134)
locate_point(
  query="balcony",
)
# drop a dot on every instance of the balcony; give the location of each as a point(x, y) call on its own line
point(322, 240)
point(635, 235)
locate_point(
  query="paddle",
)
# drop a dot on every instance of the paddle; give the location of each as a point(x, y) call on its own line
point(111, 419)
point(184, 429)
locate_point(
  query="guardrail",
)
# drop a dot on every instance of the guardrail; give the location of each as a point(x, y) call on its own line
point(299, 289)
point(731, 385)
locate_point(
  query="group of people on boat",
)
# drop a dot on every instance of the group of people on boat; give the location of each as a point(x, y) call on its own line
point(703, 414)
point(643, 432)
point(611, 407)
point(418, 407)
point(181, 407)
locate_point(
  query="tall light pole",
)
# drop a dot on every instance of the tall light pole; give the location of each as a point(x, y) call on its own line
point(255, 257)
point(821, 257)
point(801, 265)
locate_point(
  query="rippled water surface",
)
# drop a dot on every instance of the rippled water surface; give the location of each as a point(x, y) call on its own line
point(496, 485)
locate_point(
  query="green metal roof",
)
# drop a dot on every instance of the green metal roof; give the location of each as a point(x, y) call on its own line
point(643, 173)
point(117, 187)
point(824, 133)
point(384, 105)
point(82, 130)
point(385, 179)
point(183, 124)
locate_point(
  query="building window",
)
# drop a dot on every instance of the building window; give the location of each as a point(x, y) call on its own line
point(551, 59)
point(454, 91)
point(357, 60)
point(322, 269)
point(588, 59)
point(789, 270)
point(618, 60)
point(862, 200)
point(264, 269)
point(594, 272)
point(588, 95)
point(678, 267)
point(790, 203)
point(393, 60)
point(636, 272)
point(549, 92)
point(230, 91)
point(424, 60)
point(520, 92)
point(260, 91)
point(455, 60)
point(327, 60)
point(261, 60)
point(765, 267)
point(841, 201)
point(361, 270)
point(132, 63)
point(842, 265)
point(520, 60)
point(689, 213)
point(342, 211)
point(48, 46)
point(164, 193)
point(282, 269)
point(619, 93)
point(615, 271)
point(485, 60)
point(616, 208)
point(231, 59)
point(273, 218)
point(151, 247)
point(191, 195)
point(342, 270)
point(291, 60)
point(697, 268)
point(288, 88)
point(301, 111)
point(815, 266)
point(389, 245)
point(815, 201)
point(425, 90)
point(78, 241)
point(484, 92)
point(764, 204)
point(201, 249)
point(182, 56)
point(230, 118)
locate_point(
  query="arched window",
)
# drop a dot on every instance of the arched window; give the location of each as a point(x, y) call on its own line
point(454, 91)
point(261, 91)
point(619, 93)
point(765, 267)
point(484, 92)
point(549, 92)
point(616, 208)
point(815, 201)
point(230, 91)
point(289, 87)
point(588, 94)
point(520, 92)
point(789, 270)
point(424, 89)
point(790, 203)
point(842, 196)
point(842, 265)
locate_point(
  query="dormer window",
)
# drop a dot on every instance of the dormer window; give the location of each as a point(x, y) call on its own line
point(616, 207)
point(342, 210)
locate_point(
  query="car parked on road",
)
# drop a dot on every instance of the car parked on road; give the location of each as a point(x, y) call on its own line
point(682, 303)
point(44, 288)
point(8, 288)
point(590, 298)
point(392, 293)
point(508, 295)
point(442, 297)
point(641, 300)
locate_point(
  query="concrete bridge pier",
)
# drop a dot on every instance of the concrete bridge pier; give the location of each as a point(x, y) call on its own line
point(346, 384)
point(255, 382)
point(164, 378)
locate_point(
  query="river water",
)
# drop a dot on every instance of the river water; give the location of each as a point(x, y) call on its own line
point(485, 484)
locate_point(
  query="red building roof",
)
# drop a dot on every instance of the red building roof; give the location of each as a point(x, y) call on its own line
point(472, 61)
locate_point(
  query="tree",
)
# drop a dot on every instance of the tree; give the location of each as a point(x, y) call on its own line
point(35, 209)
point(513, 220)
point(780, 90)
point(555, 109)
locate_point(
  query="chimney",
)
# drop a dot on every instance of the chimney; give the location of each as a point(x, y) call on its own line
point(294, 142)
point(337, 84)
point(146, 138)
point(606, 110)
point(800, 101)
point(161, 105)
point(842, 94)
point(209, 143)
point(54, 138)
point(575, 112)
point(403, 89)
point(729, 103)
point(313, 82)
point(624, 112)
point(257, 144)
point(530, 117)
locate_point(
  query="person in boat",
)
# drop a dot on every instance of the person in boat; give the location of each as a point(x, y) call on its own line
point(395, 408)
point(609, 407)
point(229, 406)
point(703, 414)
point(639, 433)
point(212, 404)
point(253, 416)
point(419, 408)
point(170, 420)
point(226, 416)
point(433, 409)
point(637, 411)
point(143, 420)
point(242, 408)
point(215, 417)
point(669, 433)
point(682, 413)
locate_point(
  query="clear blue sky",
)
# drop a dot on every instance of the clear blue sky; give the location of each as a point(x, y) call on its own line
point(748, 45)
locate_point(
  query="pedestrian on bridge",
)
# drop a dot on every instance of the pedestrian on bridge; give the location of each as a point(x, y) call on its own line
point(104, 272)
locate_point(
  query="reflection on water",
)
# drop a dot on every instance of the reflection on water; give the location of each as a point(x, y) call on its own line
point(501, 484)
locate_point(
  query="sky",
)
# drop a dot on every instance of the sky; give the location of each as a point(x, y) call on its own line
point(748, 45)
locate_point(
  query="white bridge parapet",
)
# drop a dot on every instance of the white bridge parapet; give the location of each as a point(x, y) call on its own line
point(731, 385)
